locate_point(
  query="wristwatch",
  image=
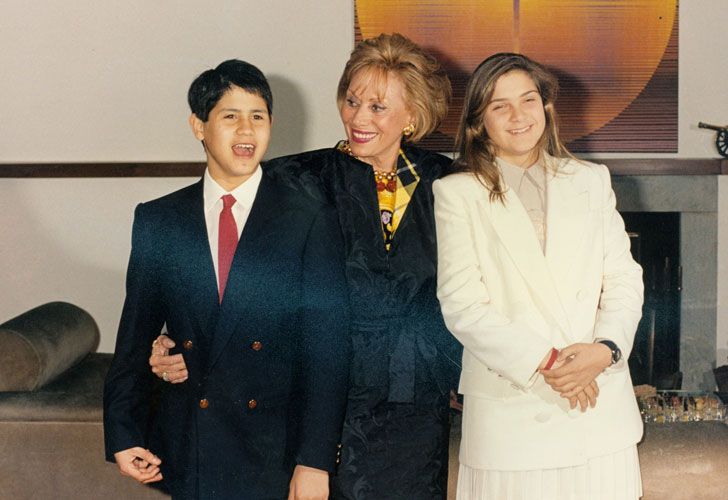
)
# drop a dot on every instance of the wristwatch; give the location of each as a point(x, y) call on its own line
point(616, 353)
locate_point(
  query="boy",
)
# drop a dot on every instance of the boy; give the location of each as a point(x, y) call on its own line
point(248, 277)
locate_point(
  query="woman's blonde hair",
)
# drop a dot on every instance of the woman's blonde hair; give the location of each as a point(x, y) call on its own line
point(476, 151)
point(426, 86)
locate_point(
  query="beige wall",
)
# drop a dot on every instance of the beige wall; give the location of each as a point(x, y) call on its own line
point(91, 81)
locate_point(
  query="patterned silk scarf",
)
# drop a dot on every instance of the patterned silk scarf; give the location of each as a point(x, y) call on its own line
point(407, 180)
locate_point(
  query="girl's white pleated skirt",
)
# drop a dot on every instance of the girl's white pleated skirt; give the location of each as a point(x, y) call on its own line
point(611, 477)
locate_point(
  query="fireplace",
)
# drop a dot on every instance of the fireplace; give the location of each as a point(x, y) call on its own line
point(687, 282)
point(655, 245)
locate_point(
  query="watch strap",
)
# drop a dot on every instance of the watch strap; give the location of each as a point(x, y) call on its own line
point(616, 352)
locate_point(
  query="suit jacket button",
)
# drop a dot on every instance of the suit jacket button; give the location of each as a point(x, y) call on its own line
point(252, 404)
point(187, 344)
point(204, 403)
point(256, 346)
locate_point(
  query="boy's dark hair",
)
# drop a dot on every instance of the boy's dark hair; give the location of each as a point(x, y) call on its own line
point(209, 87)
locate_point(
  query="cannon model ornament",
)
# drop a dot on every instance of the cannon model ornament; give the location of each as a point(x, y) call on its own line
point(721, 138)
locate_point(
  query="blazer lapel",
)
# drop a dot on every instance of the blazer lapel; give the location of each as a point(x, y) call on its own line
point(195, 267)
point(566, 226)
point(515, 231)
point(357, 199)
point(243, 280)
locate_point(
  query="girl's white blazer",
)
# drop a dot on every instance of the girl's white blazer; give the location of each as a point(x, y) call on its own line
point(508, 304)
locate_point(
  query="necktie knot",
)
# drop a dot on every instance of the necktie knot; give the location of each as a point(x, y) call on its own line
point(228, 201)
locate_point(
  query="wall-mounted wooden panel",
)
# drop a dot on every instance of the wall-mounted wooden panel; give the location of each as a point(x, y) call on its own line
point(621, 166)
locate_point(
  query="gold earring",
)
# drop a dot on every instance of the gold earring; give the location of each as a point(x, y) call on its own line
point(408, 130)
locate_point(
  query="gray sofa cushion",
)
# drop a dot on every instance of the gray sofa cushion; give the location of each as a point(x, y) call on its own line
point(75, 396)
point(42, 343)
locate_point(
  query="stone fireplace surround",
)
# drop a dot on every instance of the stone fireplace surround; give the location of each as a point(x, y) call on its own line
point(695, 198)
point(689, 187)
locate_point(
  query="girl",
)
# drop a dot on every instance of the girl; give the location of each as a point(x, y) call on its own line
point(536, 279)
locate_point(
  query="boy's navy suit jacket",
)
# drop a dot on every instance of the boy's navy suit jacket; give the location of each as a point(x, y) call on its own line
point(268, 367)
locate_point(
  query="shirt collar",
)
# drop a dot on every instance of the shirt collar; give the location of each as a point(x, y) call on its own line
point(244, 194)
point(513, 175)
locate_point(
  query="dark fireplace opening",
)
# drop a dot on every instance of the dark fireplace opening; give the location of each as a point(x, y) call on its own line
point(655, 358)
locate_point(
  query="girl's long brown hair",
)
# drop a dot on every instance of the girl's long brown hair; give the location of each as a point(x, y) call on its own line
point(476, 151)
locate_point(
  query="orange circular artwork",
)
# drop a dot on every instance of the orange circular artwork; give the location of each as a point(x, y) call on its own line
point(604, 53)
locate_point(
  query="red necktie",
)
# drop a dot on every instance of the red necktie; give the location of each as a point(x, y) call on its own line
point(227, 241)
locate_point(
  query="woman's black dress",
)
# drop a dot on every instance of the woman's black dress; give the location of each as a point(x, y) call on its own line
point(395, 435)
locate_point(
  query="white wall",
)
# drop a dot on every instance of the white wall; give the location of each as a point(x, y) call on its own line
point(88, 81)
point(703, 73)
point(94, 81)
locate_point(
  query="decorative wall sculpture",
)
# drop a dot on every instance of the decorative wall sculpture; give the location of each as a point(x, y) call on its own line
point(616, 60)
